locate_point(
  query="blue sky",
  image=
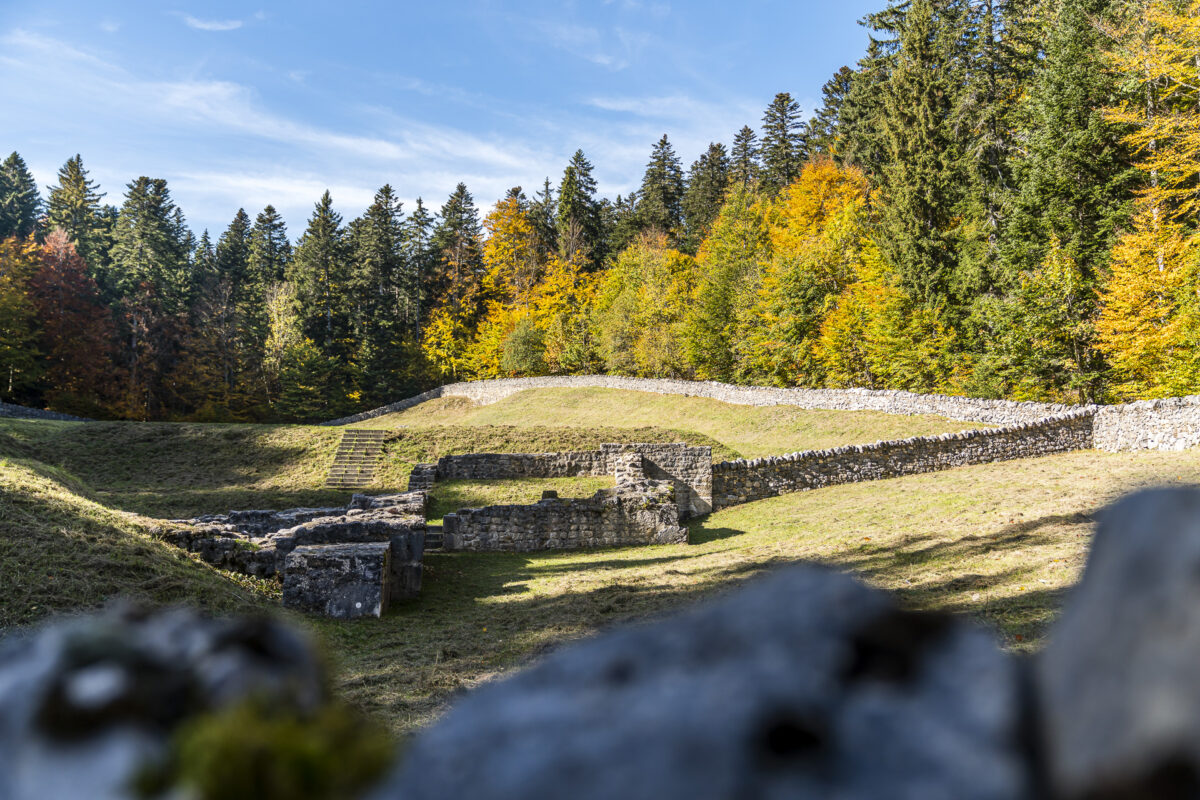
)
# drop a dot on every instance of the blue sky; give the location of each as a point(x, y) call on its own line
point(247, 104)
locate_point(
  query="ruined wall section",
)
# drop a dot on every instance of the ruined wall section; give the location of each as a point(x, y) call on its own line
point(744, 481)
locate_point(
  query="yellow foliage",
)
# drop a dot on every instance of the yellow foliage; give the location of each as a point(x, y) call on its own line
point(1144, 322)
point(823, 191)
point(510, 254)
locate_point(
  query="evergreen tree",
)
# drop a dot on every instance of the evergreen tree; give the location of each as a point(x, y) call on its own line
point(233, 255)
point(744, 164)
point(1074, 181)
point(150, 249)
point(20, 203)
point(824, 129)
point(270, 250)
point(385, 301)
point(204, 259)
point(784, 143)
point(320, 273)
point(421, 263)
point(863, 142)
point(660, 200)
point(458, 245)
point(577, 216)
point(543, 214)
point(74, 208)
point(706, 184)
point(920, 184)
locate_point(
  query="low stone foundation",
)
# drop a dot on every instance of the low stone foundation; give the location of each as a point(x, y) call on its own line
point(322, 555)
point(343, 581)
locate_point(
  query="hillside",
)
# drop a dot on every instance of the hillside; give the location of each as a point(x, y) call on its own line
point(999, 541)
point(751, 431)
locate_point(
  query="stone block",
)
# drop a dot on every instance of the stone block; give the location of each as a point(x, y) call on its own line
point(1117, 683)
point(804, 685)
point(342, 581)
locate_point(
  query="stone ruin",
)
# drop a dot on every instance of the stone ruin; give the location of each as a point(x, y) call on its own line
point(804, 684)
point(342, 562)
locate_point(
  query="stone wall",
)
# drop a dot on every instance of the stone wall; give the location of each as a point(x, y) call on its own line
point(637, 511)
point(690, 468)
point(994, 412)
point(745, 481)
point(496, 466)
point(12, 411)
point(1168, 424)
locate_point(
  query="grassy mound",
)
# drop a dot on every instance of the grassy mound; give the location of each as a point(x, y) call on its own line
point(63, 552)
point(751, 431)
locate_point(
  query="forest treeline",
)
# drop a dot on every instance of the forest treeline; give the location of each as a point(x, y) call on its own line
point(1000, 199)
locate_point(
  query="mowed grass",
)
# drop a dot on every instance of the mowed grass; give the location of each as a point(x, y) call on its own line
point(448, 496)
point(1000, 542)
point(750, 431)
point(62, 552)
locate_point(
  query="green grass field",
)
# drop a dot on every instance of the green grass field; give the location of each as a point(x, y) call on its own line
point(1001, 542)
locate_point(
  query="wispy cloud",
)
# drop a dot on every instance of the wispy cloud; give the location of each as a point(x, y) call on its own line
point(614, 50)
point(108, 26)
point(212, 24)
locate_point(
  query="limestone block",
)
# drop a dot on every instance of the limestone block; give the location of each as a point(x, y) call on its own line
point(86, 703)
point(342, 581)
point(804, 685)
point(1120, 697)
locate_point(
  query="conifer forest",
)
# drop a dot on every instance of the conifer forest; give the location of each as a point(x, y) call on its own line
point(1001, 198)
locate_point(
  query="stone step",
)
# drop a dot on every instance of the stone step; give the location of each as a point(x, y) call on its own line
point(355, 458)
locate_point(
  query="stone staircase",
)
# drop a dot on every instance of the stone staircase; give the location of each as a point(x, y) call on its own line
point(354, 464)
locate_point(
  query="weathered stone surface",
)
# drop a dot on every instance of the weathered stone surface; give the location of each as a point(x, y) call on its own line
point(343, 581)
point(1119, 683)
point(406, 557)
point(411, 503)
point(84, 704)
point(745, 481)
point(805, 685)
point(633, 513)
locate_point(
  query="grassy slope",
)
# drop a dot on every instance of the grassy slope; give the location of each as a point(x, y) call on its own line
point(748, 430)
point(999, 541)
point(61, 552)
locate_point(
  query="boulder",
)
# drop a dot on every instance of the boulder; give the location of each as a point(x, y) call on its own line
point(804, 685)
point(86, 704)
point(1118, 683)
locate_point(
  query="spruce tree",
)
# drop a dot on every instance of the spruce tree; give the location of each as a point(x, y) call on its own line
point(824, 129)
point(543, 213)
point(863, 142)
point(660, 199)
point(20, 203)
point(458, 244)
point(784, 147)
point(707, 182)
point(151, 249)
point(744, 163)
point(920, 187)
point(384, 298)
point(577, 217)
point(270, 250)
point(74, 209)
point(233, 255)
point(1075, 180)
point(421, 263)
point(320, 273)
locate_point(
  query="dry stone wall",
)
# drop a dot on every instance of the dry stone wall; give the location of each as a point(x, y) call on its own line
point(13, 411)
point(635, 513)
point(994, 412)
point(689, 468)
point(745, 481)
point(1169, 424)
